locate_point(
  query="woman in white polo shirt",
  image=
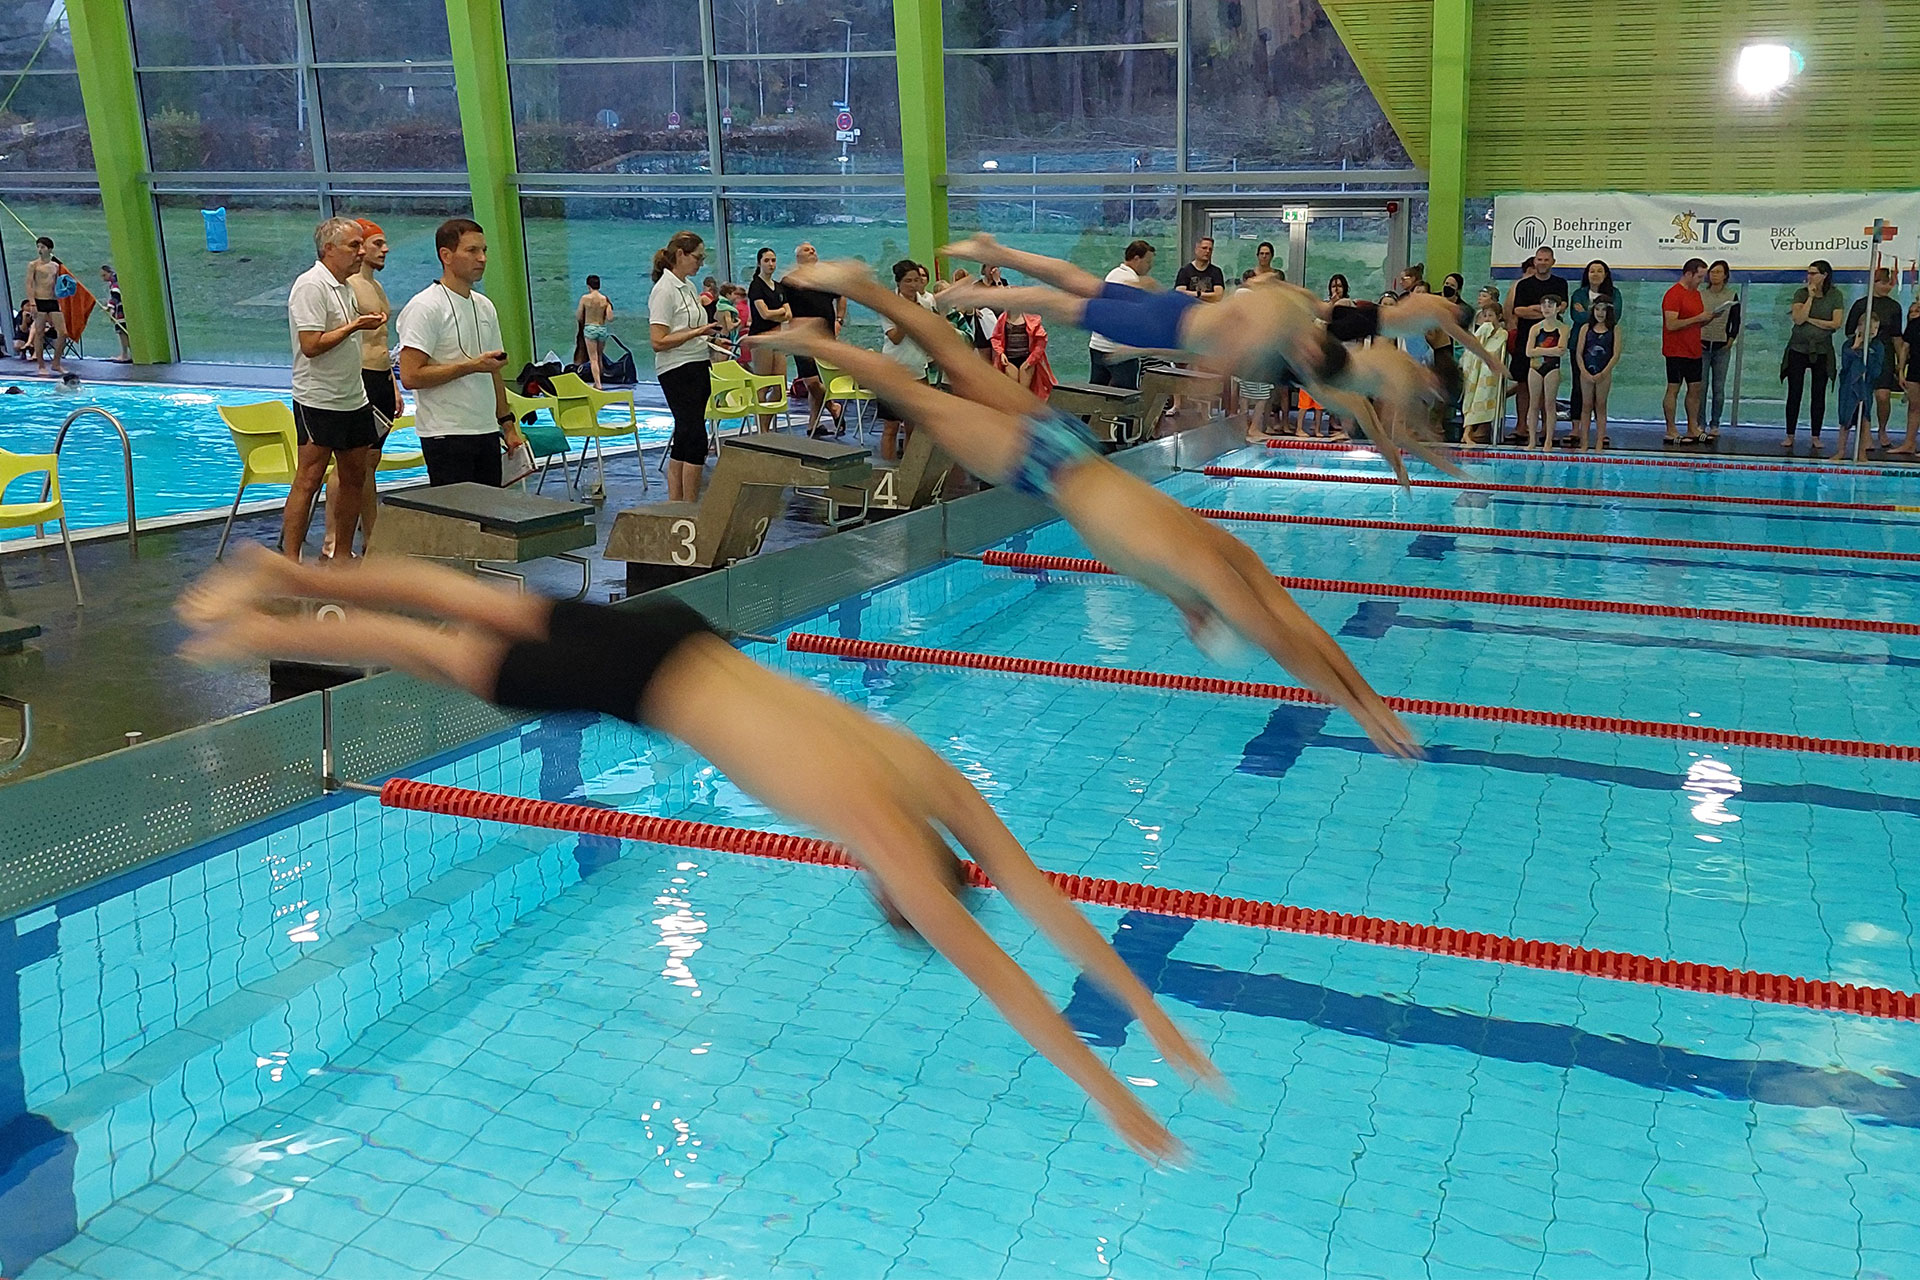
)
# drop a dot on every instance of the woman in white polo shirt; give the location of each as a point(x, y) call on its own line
point(678, 326)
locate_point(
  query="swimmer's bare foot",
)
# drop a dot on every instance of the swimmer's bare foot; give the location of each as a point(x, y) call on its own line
point(837, 276)
point(978, 247)
point(801, 337)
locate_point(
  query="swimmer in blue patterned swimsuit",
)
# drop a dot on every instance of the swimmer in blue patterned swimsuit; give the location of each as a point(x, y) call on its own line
point(1259, 335)
point(1002, 433)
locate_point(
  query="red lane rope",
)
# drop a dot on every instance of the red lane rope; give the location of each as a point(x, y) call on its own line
point(1071, 564)
point(1550, 535)
point(1622, 966)
point(871, 650)
point(1638, 495)
point(1620, 460)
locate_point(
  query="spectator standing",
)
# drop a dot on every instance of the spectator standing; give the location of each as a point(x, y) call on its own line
point(451, 355)
point(910, 282)
point(1717, 337)
point(1260, 397)
point(376, 374)
point(1135, 267)
point(677, 329)
point(42, 291)
point(1523, 312)
point(594, 312)
point(1020, 352)
point(1595, 281)
point(1884, 333)
point(1201, 277)
point(330, 410)
point(1682, 314)
point(1910, 340)
point(1815, 310)
point(116, 312)
point(1547, 345)
point(1486, 395)
point(1263, 269)
point(1597, 346)
point(830, 310)
point(767, 310)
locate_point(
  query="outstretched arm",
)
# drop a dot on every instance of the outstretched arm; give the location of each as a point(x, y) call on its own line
point(1061, 274)
point(1465, 338)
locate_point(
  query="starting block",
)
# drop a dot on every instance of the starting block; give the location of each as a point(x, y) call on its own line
point(892, 487)
point(476, 523)
point(1112, 414)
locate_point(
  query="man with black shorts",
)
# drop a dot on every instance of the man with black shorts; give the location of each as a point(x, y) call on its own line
point(330, 407)
point(451, 355)
point(1682, 313)
point(49, 327)
point(1523, 308)
point(830, 310)
point(376, 372)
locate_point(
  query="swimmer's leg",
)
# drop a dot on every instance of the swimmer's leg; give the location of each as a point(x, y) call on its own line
point(467, 659)
point(1061, 274)
point(1052, 305)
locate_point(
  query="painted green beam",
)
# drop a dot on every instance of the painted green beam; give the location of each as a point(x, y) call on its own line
point(920, 56)
point(486, 121)
point(1447, 136)
point(103, 53)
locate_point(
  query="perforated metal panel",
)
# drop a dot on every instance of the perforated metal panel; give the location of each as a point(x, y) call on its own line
point(385, 723)
point(71, 827)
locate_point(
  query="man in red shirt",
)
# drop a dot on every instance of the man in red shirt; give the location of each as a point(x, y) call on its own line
point(1684, 313)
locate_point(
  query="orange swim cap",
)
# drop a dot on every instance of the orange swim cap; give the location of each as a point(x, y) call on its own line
point(370, 228)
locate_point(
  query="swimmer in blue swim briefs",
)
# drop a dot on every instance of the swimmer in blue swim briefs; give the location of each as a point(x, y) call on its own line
point(1262, 333)
point(1001, 432)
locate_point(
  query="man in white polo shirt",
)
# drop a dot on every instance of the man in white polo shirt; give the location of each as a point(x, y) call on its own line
point(450, 358)
point(330, 409)
point(1136, 265)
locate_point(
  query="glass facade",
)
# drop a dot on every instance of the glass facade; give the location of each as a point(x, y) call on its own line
point(753, 122)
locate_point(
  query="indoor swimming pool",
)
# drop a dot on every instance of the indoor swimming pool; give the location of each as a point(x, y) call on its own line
point(183, 458)
point(361, 1041)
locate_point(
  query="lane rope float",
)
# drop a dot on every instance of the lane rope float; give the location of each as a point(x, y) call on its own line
point(1621, 460)
point(1555, 957)
point(1024, 560)
point(1549, 535)
point(1556, 490)
point(878, 651)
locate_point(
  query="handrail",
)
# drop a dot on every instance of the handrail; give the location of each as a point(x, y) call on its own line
point(126, 454)
point(26, 733)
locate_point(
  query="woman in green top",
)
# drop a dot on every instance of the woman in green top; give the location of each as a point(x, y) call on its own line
point(1816, 311)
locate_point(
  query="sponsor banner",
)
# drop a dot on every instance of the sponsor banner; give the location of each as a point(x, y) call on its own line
point(1755, 234)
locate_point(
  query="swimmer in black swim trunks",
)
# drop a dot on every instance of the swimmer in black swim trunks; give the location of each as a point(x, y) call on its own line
point(880, 792)
point(1260, 335)
point(1002, 433)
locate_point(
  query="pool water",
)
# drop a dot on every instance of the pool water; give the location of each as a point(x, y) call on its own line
point(183, 458)
point(379, 1043)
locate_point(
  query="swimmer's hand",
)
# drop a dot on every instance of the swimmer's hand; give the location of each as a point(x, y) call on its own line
point(804, 337)
point(839, 276)
point(978, 247)
point(1180, 1053)
point(1138, 1127)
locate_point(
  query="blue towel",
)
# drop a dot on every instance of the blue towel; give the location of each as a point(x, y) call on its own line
point(1858, 372)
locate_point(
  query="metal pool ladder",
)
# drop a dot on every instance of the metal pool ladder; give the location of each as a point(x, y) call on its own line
point(25, 710)
point(126, 456)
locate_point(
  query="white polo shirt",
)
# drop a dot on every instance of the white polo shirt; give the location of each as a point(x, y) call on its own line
point(331, 380)
point(675, 303)
point(907, 351)
point(1122, 274)
point(447, 328)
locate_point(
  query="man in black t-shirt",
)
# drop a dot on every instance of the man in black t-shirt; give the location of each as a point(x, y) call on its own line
point(1201, 277)
point(1523, 313)
point(831, 310)
point(1910, 340)
point(1887, 335)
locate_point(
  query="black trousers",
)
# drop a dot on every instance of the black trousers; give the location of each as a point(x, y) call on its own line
point(1799, 365)
point(1108, 372)
point(463, 459)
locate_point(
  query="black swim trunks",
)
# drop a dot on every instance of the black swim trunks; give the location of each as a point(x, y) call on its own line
point(46, 306)
point(595, 657)
point(1354, 321)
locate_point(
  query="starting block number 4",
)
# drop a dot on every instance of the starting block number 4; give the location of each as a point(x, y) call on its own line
point(883, 492)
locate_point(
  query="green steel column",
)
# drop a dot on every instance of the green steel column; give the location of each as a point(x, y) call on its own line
point(486, 119)
point(103, 52)
point(920, 55)
point(1447, 120)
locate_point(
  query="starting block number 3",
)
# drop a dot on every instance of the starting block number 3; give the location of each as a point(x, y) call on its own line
point(683, 531)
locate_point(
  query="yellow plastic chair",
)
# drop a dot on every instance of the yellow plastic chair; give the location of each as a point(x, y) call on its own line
point(18, 515)
point(268, 443)
point(576, 411)
point(406, 460)
point(769, 390)
point(841, 385)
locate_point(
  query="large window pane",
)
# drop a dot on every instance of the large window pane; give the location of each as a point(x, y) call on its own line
point(1009, 24)
point(870, 226)
point(33, 33)
point(615, 239)
point(785, 115)
point(602, 28)
point(231, 121)
point(232, 306)
point(610, 117)
point(1280, 94)
point(801, 26)
point(380, 31)
point(1063, 112)
point(391, 120)
point(44, 127)
point(1089, 231)
point(198, 33)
